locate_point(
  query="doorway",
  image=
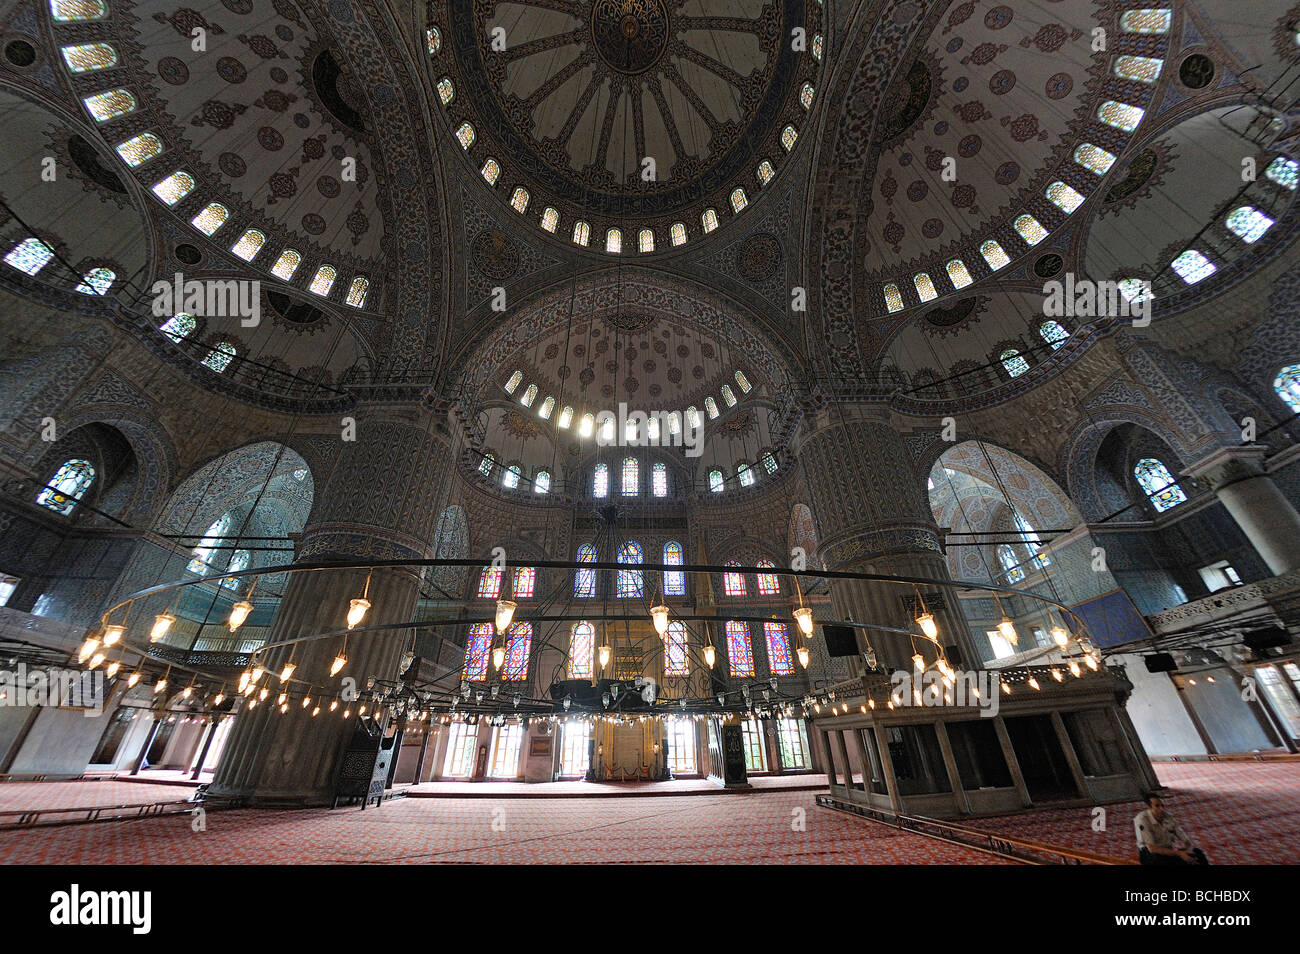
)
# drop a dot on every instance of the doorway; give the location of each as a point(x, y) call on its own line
point(1042, 761)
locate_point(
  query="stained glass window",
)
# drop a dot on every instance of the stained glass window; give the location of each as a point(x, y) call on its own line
point(631, 483)
point(97, 281)
point(788, 136)
point(715, 481)
point(711, 407)
point(614, 241)
point(1120, 115)
point(744, 474)
point(709, 220)
point(1029, 536)
point(1136, 290)
point(542, 482)
point(743, 382)
point(646, 240)
point(519, 200)
point(587, 425)
point(1285, 172)
point(738, 200)
point(769, 461)
point(692, 417)
point(286, 264)
point(659, 479)
point(1287, 386)
point(566, 417)
point(465, 135)
point(478, 647)
point(924, 287)
point(630, 583)
point(529, 396)
point(893, 298)
point(740, 654)
point(1011, 568)
point(958, 274)
point(202, 554)
point(174, 188)
point(220, 356)
point(674, 580)
point(545, 409)
point(210, 218)
point(1094, 158)
point(432, 39)
point(581, 233)
point(323, 281)
point(1143, 69)
point(779, 659)
point(1030, 229)
point(178, 327)
point(519, 641)
point(1158, 484)
point(249, 244)
point(678, 233)
point(489, 583)
point(86, 57)
point(491, 171)
point(1146, 21)
point(550, 219)
point(1013, 362)
point(485, 465)
point(817, 44)
point(600, 481)
point(994, 255)
point(1054, 333)
point(768, 583)
point(139, 149)
point(510, 479)
point(110, 104)
point(582, 649)
point(765, 172)
point(239, 561)
point(524, 583)
point(446, 90)
point(1192, 266)
point(806, 95)
point(1063, 197)
point(1249, 223)
point(676, 661)
point(584, 581)
point(728, 396)
point(733, 581)
point(513, 382)
point(66, 487)
point(67, 11)
point(357, 291)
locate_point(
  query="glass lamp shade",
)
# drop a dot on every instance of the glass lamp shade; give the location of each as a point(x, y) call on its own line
point(95, 660)
point(161, 623)
point(1060, 636)
point(113, 634)
point(928, 625)
point(357, 609)
point(339, 662)
point(804, 617)
point(88, 648)
point(660, 616)
point(132, 679)
point(1008, 630)
point(112, 669)
point(498, 657)
point(287, 672)
point(505, 613)
point(159, 686)
point(710, 655)
point(802, 653)
point(604, 656)
point(238, 613)
point(919, 662)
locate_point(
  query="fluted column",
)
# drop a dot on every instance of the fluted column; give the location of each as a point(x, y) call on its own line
point(873, 516)
point(378, 502)
point(1265, 516)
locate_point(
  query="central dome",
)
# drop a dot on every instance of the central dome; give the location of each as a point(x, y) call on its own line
point(630, 35)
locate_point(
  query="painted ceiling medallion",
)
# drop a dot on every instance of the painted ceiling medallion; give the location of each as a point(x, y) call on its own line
point(630, 35)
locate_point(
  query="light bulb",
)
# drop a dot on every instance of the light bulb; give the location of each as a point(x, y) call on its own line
point(238, 613)
point(161, 623)
point(1060, 636)
point(245, 678)
point(112, 669)
point(306, 701)
point(928, 625)
point(710, 655)
point(159, 686)
point(802, 653)
point(1056, 674)
point(95, 660)
point(219, 698)
point(264, 693)
point(498, 657)
point(88, 648)
point(505, 613)
point(1075, 671)
point(1006, 688)
point(187, 692)
point(1008, 630)
point(1091, 662)
point(604, 656)
point(660, 616)
point(284, 697)
point(315, 712)
point(132, 679)
point(919, 662)
point(113, 634)
point(339, 662)
point(1033, 682)
point(357, 612)
point(287, 671)
point(255, 674)
point(803, 616)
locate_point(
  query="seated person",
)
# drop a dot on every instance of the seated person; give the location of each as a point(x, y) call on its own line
point(1159, 839)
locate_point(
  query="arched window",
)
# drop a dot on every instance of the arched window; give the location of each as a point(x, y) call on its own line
point(1122, 116)
point(692, 417)
point(728, 396)
point(630, 583)
point(286, 265)
point(519, 642)
point(646, 240)
point(744, 474)
point(711, 407)
point(788, 137)
point(174, 187)
point(600, 481)
point(674, 580)
point(769, 462)
point(1158, 484)
point(768, 584)
point(1284, 172)
point(178, 327)
point(465, 135)
point(88, 57)
point(110, 104)
point(584, 581)
point(446, 90)
point(806, 96)
point(491, 171)
point(607, 429)
point(587, 425)
point(1013, 362)
point(1248, 223)
point(529, 396)
point(97, 281)
point(210, 218)
point(740, 654)
point(631, 483)
point(1146, 21)
point(1030, 229)
point(614, 241)
point(219, 358)
point(510, 479)
point(239, 561)
point(66, 487)
point(357, 291)
point(738, 200)
point(550, 219)
point(1140, 69)
point(485, 465)
point(1287, 386)
point(513, 382)
point(323, 281)
point(1094, 158)
point(678, 233)
point(733, 581)
point(581, 233)
point(432, 40)
point(525, 581)
point(779, 660)
point(709, 220)
point(1063, 197)
point(715, 480)
point(1054, 333)
point(140, 149)
point(478, 648)
point(659, 479)
point(547, 406)
point(201, 560)
point(249, 244)
point(1010, 565)
point(582, 649)
point(817, 45)
point(958, 273)
point(1192, 266)
point(676, 662)
point(68, 11)
point(743, 382)
point(1136, 290)
point(893, 298)
point(489, 583)
point(1031, 540)
point(566, 417)
point(765, 172)
point(924, 287)
point(519, 200)
point(994, 254)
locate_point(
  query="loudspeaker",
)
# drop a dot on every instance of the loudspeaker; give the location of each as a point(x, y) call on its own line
point(840, 640)
point(1267, 638)
point(1160, 662)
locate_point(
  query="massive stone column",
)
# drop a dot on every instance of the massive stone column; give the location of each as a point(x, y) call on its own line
point(378, 502)
point(873, 516)
point(1265, 516)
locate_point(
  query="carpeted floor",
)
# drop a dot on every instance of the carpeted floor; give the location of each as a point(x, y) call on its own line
point(25, 796)
point(580, 789)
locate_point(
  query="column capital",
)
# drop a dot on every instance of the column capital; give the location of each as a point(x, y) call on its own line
point(1226, 465)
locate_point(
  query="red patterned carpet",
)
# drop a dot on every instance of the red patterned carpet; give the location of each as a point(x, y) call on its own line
point(1238, 812)
point(25, 796)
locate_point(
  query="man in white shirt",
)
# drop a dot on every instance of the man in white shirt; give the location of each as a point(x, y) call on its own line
point(1159, 839)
